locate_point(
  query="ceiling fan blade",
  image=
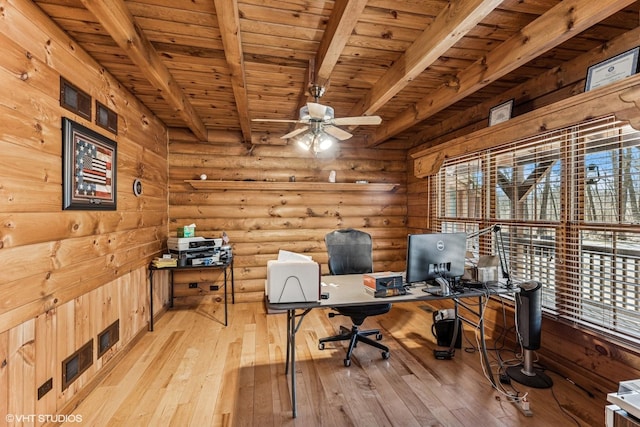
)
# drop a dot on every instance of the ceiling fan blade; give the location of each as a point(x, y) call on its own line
point(316, 111)
point(337, 132)
point(276, 120)
point(295, 132)
point(360, 120)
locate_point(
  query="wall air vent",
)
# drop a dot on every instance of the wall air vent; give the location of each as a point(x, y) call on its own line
point(75, 100)
point(74, 365)
point(106, 118)
point(108, 338)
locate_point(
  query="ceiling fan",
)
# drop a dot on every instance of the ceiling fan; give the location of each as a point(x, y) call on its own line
point(320, 125)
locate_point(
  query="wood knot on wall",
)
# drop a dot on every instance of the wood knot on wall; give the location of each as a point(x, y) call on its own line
point(602, 350)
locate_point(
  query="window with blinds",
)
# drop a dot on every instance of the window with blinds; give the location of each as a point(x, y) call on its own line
point(568, 202)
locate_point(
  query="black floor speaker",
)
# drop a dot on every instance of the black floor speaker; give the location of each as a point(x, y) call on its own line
point(529, 318)
point(443, 330)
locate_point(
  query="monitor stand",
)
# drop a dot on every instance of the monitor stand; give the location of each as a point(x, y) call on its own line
point(445, 290)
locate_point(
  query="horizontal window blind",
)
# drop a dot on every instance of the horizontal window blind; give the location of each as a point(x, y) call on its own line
point(568, 202)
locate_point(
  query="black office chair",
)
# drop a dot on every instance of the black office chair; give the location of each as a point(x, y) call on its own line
point(350, 252)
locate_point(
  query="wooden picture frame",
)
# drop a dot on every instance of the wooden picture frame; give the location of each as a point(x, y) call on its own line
point(88, 169)
point(612, 69)
point(500, 113)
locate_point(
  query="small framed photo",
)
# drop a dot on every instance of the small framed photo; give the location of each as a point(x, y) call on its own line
point(88, 168)
point(500, 113)
point(612, 69)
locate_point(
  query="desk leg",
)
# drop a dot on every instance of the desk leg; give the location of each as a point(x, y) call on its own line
point(292, 344)
point(286, 363)
point(151, 300)
point(478, 325)
point(171, 289)
point(290, 363)
point(485, 354)
point(225, 296)
point(233, 285)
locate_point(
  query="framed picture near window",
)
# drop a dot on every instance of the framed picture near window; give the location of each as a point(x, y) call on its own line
point(613, 69)
point(88, 169)
point(500, 113)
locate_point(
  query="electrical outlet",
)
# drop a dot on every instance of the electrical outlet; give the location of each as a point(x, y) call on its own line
point(193, 285)
point(214, 287)
point(45, 388)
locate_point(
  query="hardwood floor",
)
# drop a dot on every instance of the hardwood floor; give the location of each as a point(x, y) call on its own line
point(194, 371)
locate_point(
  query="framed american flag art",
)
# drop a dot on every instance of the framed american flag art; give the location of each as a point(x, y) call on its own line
point(88, 169)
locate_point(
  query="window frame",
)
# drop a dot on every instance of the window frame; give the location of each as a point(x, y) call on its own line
point(566, 297)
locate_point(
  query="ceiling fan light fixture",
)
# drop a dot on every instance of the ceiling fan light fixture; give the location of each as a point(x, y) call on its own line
point(316, 142)
point(316, 91)
point(305, 141)
point(324, 142)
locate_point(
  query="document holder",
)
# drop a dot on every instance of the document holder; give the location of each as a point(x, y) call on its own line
point(293, 281)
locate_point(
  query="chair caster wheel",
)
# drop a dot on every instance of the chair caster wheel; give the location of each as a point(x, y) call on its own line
point(386, 355)
point(347, 362)
point(321, 346)
point(378, 337)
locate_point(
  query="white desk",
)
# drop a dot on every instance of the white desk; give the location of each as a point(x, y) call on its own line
point(349, 291)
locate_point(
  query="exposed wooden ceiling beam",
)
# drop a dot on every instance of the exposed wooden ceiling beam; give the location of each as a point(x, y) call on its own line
point(566, 75)
point(344, 17)
point(557, 25)
point(116, 19)
point(229, 23)
point(451, 24)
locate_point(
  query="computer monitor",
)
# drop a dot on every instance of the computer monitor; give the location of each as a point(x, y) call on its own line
point(435, 255)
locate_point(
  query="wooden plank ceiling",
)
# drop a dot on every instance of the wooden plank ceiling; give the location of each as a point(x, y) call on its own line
point(211, 66)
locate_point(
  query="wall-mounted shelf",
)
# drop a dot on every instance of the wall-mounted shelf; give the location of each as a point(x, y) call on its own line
point(280, 186)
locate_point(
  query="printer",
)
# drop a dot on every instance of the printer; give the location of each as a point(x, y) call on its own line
point(199, 250)
point(292, 278)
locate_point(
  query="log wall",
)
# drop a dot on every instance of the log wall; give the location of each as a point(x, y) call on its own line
point(418, 202)
point(259, 221)
point(67, 275)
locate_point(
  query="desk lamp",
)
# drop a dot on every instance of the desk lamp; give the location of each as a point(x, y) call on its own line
point(496, 229)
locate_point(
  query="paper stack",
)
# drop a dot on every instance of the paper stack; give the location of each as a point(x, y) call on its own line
point(165, 262)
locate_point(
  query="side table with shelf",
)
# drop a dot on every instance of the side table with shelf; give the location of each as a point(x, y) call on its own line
point(226, 265)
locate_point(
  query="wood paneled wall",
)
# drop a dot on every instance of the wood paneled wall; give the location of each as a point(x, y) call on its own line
point(260, 222)
point(67, 275)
